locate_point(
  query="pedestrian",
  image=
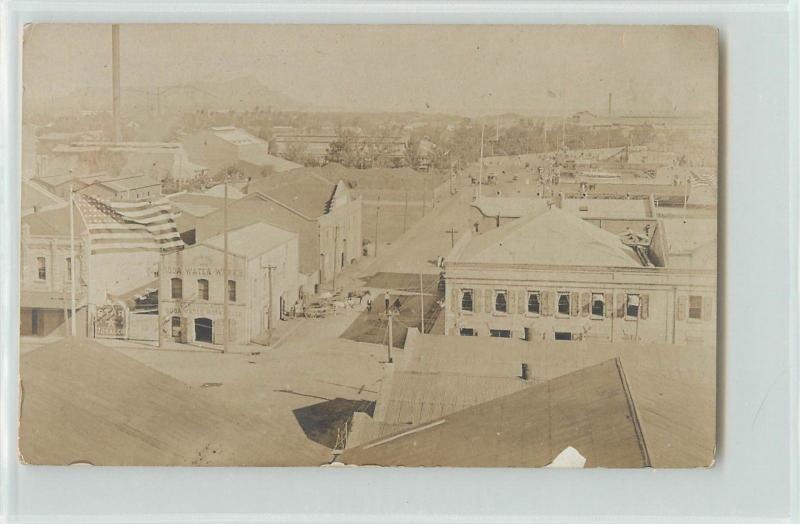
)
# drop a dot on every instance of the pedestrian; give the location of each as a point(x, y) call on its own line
point(369, 303)
point(396, 306)
point(386, 299)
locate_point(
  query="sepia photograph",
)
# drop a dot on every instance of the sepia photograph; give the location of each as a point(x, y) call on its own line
point(369, 245)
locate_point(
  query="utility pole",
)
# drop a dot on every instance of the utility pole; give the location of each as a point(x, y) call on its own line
point(452, 232)
point(389, 343)
point(421, 308)
point(480, 167)
point(269, 314)
point(377, 219)
point(424, 190)
point(405, 212)
point(545, 134)
point(335, 255)
point(72, 324)
point(225, 269)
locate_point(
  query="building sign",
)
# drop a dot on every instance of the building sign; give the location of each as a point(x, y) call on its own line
point(109, 321)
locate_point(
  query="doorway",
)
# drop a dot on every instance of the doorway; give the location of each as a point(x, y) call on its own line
point(36, 323)
point(203, 330)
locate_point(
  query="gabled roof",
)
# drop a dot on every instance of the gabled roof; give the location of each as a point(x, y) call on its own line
point(251, 240)
point(589, 410)
point(53, 222)
point(236, 136)
point(302, 192)
point(550, 238)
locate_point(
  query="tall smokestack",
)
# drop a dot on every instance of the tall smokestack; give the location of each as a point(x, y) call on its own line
point(609, 104)
point(115, 72)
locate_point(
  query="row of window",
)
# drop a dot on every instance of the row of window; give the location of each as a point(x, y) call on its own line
point(506, 333)
point(202, 289)
point(632, 307)
point(564, 306)
point(41, 268)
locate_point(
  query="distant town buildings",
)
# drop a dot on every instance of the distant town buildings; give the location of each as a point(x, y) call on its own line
point(225, 146)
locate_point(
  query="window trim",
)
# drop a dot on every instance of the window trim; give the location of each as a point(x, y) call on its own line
point(592, 314)
point(497, 293)
point(471, 300)
point(558, 312)
point(498, 331)
point(638, 306)
point(41, 269)
point(229, 288)
point(205, 297)
point(172, 288)
point(689, 308)
point(528, 295)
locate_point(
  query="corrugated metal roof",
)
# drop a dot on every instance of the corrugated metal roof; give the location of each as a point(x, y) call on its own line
point(675, 385)
point(589, 410)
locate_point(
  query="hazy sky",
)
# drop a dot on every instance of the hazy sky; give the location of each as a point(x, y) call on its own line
point(467, 70)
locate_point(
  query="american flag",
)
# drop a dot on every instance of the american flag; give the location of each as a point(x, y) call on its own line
point(119, 227)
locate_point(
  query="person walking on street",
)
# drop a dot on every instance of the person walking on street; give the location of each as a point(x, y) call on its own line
point(386, 299)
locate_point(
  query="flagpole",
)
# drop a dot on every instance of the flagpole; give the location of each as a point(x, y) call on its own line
point(73, 330)
point(225, 269)
point(480, 168)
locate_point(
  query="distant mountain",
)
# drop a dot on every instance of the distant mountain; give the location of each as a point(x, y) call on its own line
point(238, 94)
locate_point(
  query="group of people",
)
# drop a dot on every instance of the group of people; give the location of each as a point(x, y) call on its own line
point(388, 306)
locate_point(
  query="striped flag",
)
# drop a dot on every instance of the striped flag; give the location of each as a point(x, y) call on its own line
point(120, 227)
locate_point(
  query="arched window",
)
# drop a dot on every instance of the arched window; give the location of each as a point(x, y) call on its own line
point(500, 304)
point(177, 288)
point(466, 300)
point(563, 303)
point(202, 289)
point(533, 302)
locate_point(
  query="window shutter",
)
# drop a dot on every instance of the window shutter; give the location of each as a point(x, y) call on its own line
point(574, 305)
point(621, 304)
point(608, 304)
point(488, 297)
point(546, 298)
point(586, 304)
point(680, 312)
point(510, 303)
point(644, 307)
point(708, 304)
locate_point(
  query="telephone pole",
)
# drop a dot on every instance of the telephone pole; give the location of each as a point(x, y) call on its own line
point(389, 343)
point(377, 219)
point(269, 314)
point(452, 232)
point(405, 212)
point(226, 286)
point(335, 255)
point(72, 324)
point(421, 308)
